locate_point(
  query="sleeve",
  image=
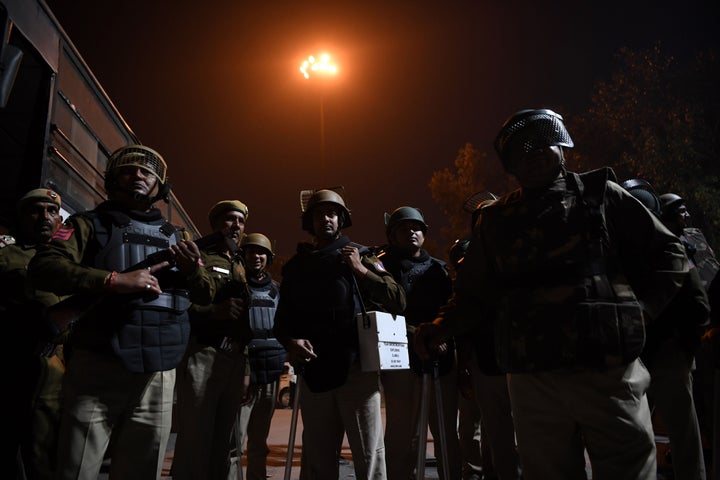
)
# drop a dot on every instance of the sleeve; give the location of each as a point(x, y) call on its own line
point(58, 266)
point(653, 259)
point(463, 312)
point(201, 287)
point(381, 288)
point(282, 329)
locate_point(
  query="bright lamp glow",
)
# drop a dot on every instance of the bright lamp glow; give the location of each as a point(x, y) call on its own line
point(320, 66)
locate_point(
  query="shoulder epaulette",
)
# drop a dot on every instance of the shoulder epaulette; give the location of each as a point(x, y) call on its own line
point(6, 240)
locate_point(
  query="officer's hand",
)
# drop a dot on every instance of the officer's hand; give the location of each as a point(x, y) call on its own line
point(300, 351)
point(186, 255)
point(351, 257)
point(137, 281)
point(229, 309)
point(428, 339)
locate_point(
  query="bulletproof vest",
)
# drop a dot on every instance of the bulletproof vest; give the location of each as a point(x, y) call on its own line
point(427, 287)
point(563, 300)
point(267, 355)
point(148, 334)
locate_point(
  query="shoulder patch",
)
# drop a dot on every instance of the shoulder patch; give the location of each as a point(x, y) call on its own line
point(63, 233)
point(6, 240)
point(379, 265)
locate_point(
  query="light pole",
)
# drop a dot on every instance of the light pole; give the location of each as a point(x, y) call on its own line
point(320, 67)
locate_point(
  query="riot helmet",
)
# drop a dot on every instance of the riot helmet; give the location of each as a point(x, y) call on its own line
point(325, 196)
point(259, 240)
point(675, 213)
point(529, 130)
point(143, 157)
point(645, 193)
point(670, 201)
point(402, 214)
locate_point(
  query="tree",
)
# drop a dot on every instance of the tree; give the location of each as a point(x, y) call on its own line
point(474, 172)
point(659, 119)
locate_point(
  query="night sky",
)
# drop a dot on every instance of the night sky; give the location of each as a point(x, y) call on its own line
point(214, 86)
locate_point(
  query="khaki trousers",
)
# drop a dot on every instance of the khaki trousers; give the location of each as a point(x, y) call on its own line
point(352, 409)
point(104, 400)
point(557, 415)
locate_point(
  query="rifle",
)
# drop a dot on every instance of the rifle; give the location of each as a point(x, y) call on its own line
point(61, 317)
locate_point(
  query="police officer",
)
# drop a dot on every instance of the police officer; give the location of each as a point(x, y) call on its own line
point(488, 391)
point(557, 268)
point(676, 216)
point(320, 294)
point(37, 379)
point(427, 286)
point(214, 375)
point(134, 328)
point(672, 341)
point(266, 354)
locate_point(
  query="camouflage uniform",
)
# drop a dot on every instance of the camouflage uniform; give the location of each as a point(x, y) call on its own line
point(553, 274)
point(700, 254)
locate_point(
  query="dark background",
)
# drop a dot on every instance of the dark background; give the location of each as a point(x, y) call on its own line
point(215, 87)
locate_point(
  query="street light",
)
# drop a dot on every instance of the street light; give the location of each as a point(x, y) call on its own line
point(320, 67)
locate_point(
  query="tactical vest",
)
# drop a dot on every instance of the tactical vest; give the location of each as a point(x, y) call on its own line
point(267, 355)
point(563, 300)
point(428, 287)
point(148, 334)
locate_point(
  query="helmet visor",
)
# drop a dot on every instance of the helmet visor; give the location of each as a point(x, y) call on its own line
point(139, 156)
point(529, 133)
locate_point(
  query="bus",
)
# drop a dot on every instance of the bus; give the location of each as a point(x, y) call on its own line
point(57, 125)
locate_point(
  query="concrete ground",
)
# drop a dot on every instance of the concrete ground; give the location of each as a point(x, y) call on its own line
point(278, 443)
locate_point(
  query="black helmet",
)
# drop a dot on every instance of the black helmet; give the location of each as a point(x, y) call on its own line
point(671, 200)
point(402, 214)
point(644, 191)
point(528, 130)
point(325, 196)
